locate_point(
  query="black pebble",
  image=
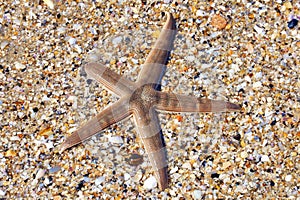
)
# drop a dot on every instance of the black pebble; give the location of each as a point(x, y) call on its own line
point(292, 23)
point(80, 185)
point(242, 90)
point(237, 136)
point(89, 81)
point(215, 175)
point(273, 123)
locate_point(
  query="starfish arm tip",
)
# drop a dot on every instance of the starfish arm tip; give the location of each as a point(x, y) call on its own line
point(163, 181)
point(61, 148)
point(89, 68)
point(233, 107)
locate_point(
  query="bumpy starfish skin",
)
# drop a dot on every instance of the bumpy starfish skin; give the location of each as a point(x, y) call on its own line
point(141, 99)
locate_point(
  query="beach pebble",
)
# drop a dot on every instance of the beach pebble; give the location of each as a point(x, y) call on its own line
point(47, 181)
point(40, 173)
point(150, 183)
point(186, 165)
point(99, 180)
point(173, 170)
point(86, 179)
point(259, 30)
point(197, 194)
point(138, 176)
point(54, 169)
point(115, 139)
point(265, 158)
point(19, 66)
point(72, 41)
point(288, 178)
point(49, 3)
point(218, 21)
point(122, 59)
point(14, 138)
point(200, 13)
point(227, 164)
point(117, 40)
point(2, 193)
point(292, 23)
point(257, 85)
point(127, 176)
point(3, 44)
point(244, 154)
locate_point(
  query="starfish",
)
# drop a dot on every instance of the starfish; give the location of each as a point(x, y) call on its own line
point(143, 99)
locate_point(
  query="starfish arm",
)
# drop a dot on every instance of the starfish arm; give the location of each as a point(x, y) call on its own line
point(154, 67)
point(107, 117)
point(149, 131)
point(110, 79)
point(182, 103)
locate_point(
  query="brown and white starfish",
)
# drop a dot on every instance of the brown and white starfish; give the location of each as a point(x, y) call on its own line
point(142, 99)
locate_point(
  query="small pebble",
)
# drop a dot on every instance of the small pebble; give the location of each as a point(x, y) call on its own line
point(19, 66)
point(49, 145)
point(215, 175)
point(138, 176)
point(259, 30)
point(135, 61)
point(72, 41)
point(265, 158)
point(86, 179)
point(117, 40)
point(47, 181)
point(99, 180)
point(244, 154)
point(258, 75)
point(257, 85)
point(46, 131)
point(150, 183)
point(200, 13)
point(126, 176)
point(293, 23)
point(2, 193)
point(61, 30)
point(288, 178)
point(173, 170)
point(187, 165)
point(10, 153)
point(4, 44)
point(115, 139)
point(54, 169)
point(218, 21)
point(226, 164)
point(40, 173)
point(197, 194)
point(15, 138)
point(269, 99)
point(122, 59)
point(49, 3)
point(135, 159)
